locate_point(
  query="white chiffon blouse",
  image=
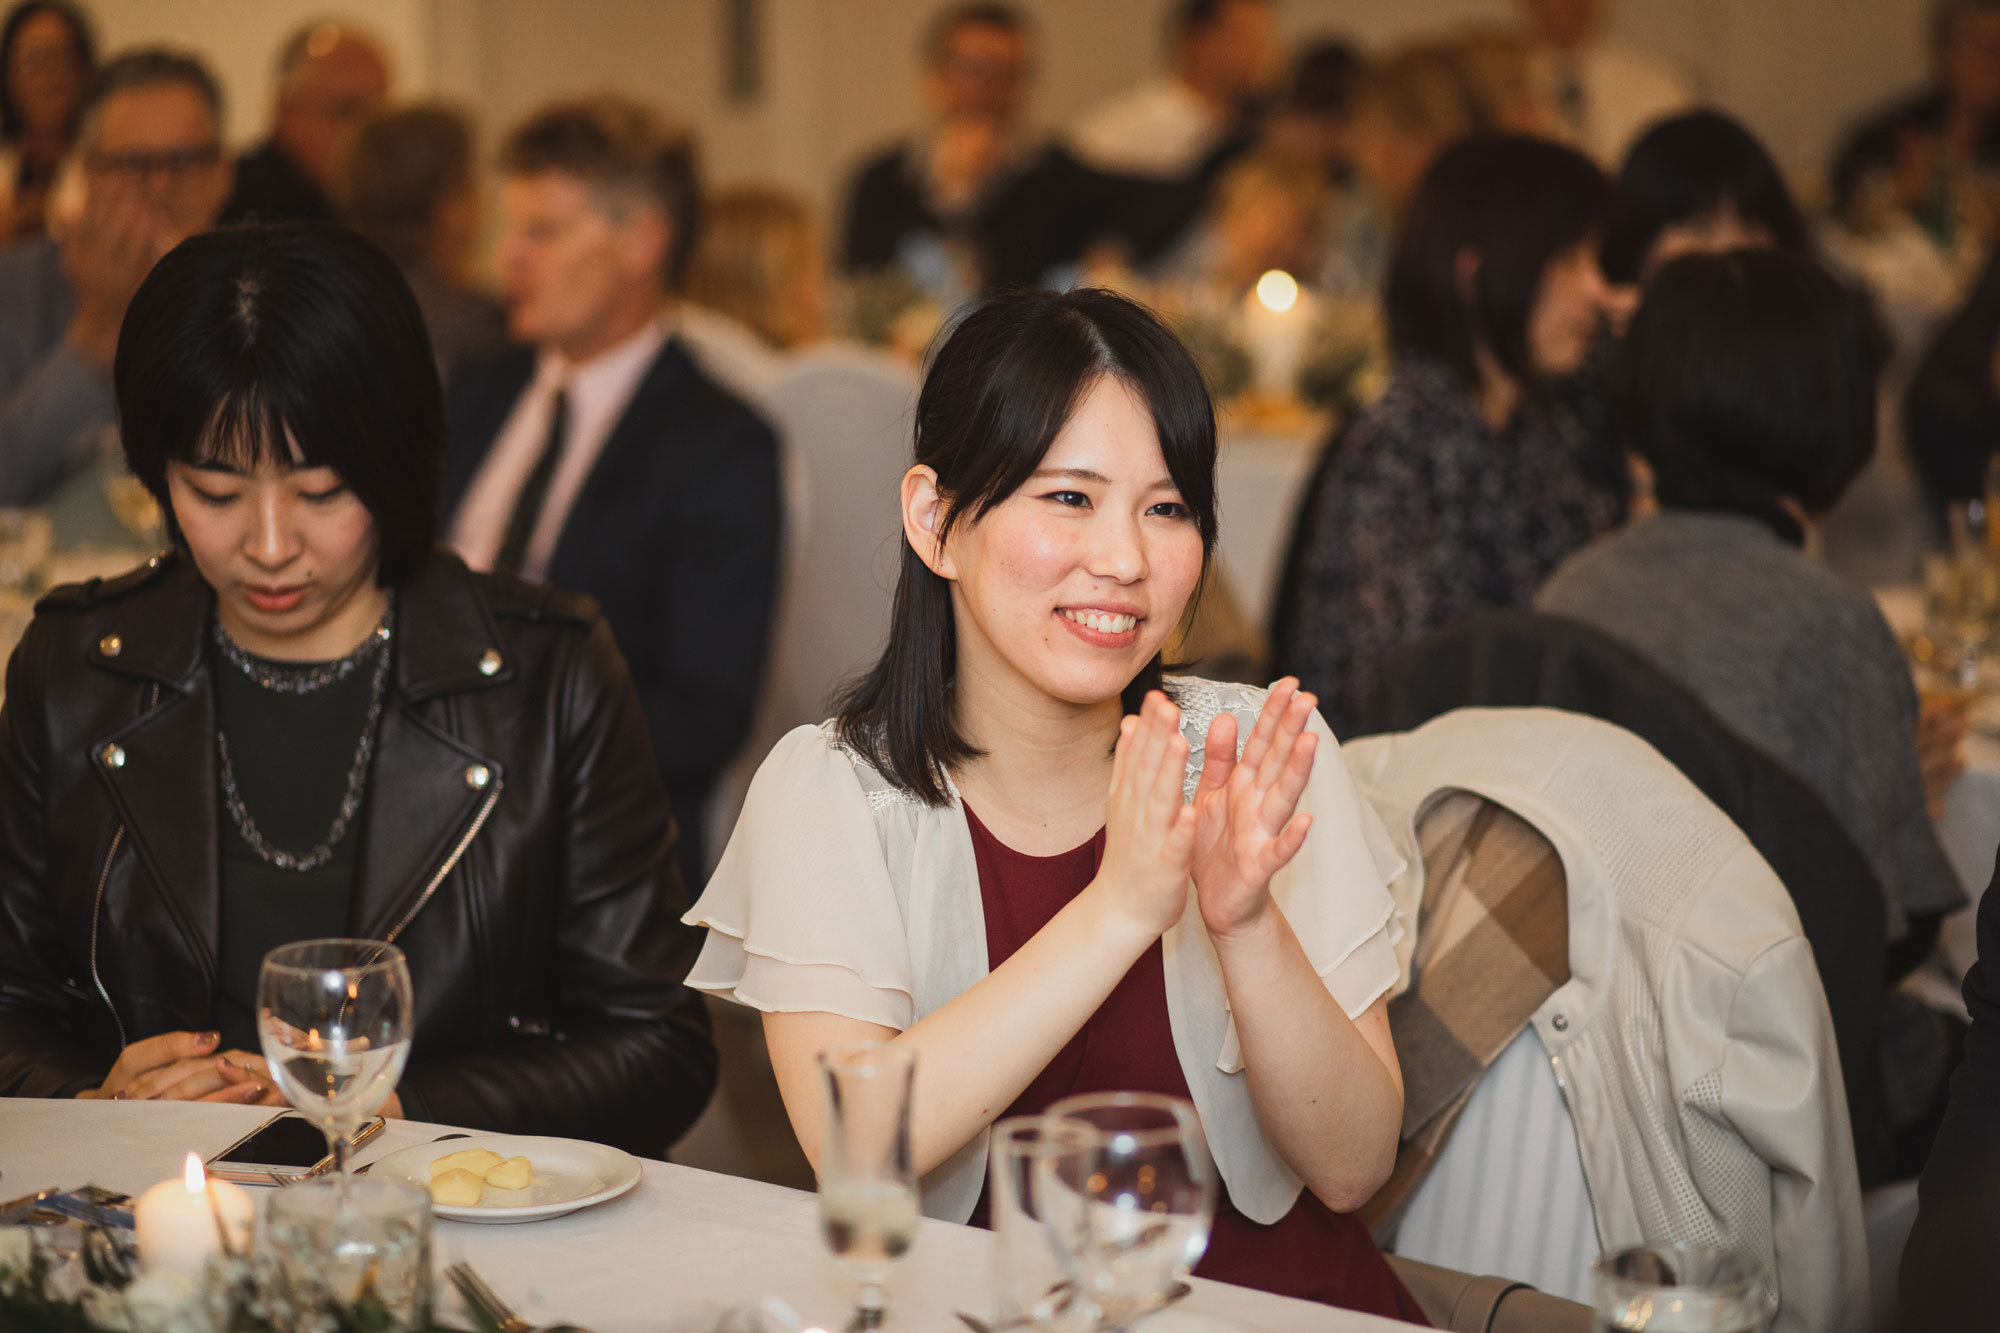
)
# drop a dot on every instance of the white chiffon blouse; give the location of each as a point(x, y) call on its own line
point(840, 893)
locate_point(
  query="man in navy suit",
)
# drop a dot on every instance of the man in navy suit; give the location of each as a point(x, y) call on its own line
point(599, 458)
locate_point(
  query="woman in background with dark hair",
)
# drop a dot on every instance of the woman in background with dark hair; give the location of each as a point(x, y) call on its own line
point(987, 857)
point(304, 721)
point(1698, 183)
point(46, 59)
point(1463, 485)
point(1748, 391)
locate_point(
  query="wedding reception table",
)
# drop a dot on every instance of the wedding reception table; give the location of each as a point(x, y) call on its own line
point(671, 1255)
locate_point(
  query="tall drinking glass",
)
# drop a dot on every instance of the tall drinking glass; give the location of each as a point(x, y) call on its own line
point(1681, 1289)
point(867, 1174)
point(1032, 1286)
point(334, 1018)
point(1132, 1205)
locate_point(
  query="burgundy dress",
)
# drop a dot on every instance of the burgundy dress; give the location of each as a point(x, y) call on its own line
point(1312, 1252)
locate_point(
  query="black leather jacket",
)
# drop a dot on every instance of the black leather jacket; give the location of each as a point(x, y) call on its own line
point(514, 841)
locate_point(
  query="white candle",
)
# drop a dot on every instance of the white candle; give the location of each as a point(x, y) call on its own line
point(176, 1219)
point(1277, 318)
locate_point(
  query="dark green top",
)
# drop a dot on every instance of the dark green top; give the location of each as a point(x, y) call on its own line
point(291, 754)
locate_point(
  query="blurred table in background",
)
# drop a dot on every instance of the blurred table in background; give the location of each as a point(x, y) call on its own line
point(1969, 827)
point(1261, 471)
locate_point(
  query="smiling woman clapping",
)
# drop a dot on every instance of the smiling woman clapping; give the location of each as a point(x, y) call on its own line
point(987, 857)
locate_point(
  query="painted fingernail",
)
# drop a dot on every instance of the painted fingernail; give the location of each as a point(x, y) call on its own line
point(119, 1095)
point(208, 1038)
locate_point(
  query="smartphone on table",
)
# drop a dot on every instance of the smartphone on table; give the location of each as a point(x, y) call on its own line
point(287, 1146)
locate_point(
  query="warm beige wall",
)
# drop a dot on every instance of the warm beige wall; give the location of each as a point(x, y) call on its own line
point(240, 40)
point(840, 76)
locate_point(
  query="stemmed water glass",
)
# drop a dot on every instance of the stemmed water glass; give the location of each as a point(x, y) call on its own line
point(334, 1018)
point(867, 1173)
point(1130, 1203)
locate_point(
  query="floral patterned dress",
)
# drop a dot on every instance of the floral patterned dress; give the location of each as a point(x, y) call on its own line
point(1418, 513)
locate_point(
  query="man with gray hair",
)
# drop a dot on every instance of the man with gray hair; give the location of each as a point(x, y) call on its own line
point(149, 158)
point(331, 77)
point(600, 457)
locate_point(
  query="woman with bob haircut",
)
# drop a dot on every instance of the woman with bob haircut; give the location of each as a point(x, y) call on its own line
point(1023, 853)
point(1464, 484)
point(1747, 389)
point(302, 720)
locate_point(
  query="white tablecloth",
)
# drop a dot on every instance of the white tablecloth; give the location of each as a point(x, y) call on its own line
point(1258, 478)
point(682, 1244)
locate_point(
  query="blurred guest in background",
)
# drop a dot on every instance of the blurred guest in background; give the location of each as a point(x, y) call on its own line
point(1315, 118)
point(756, 288)
point(600, 458)
point(1954, 1246)
point(1225, 59)
point(759, 262)
point(330, 78)
point(154, 173)
point(406, 183)
point(1408, 108)
point(1498, 67)
point(936, 204)
point(1748, 393)
point(1952, 411)
point(1265, 214)
point(1604, 94)
point(1927, 159)
point(46, 59)
point(1462, 486)
point(1699, 183)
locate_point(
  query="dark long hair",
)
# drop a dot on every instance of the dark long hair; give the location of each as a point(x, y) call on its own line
point(244, 338)
point(997, 394)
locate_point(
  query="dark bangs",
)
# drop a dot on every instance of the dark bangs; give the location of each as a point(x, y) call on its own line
point(998, 392)
point(1688, 168)
point(298, 345)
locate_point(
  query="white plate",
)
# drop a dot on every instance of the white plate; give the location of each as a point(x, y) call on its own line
point(569, 1174)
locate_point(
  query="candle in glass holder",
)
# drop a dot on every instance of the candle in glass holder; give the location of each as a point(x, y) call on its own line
point(177, 1219)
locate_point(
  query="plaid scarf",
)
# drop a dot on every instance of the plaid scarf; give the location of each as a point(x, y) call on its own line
point(1492, 945)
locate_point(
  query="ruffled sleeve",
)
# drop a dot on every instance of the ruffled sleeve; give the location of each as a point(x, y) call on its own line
point(1335, 893)
point(801, 913)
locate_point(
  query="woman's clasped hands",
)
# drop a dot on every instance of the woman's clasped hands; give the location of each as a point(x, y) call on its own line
point(186, 1067)
point(1242, 827)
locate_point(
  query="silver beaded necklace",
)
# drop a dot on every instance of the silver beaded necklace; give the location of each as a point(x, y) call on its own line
point(304, 680)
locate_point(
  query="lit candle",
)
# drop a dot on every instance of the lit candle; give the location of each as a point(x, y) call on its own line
point(176, 1219)
point(1277, 317)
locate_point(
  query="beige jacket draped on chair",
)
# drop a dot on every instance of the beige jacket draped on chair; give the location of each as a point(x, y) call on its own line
point(1692, 1042)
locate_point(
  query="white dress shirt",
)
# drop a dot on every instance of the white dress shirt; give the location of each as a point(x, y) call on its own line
point(1161, 128)
point(599, 390)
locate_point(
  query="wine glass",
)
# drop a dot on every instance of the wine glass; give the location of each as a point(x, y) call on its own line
point(334, 1018)
point(867, 1174)
point(1131, 1204)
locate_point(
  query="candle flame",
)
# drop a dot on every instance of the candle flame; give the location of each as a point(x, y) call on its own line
point(196, 1178)
point(1278, 291)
